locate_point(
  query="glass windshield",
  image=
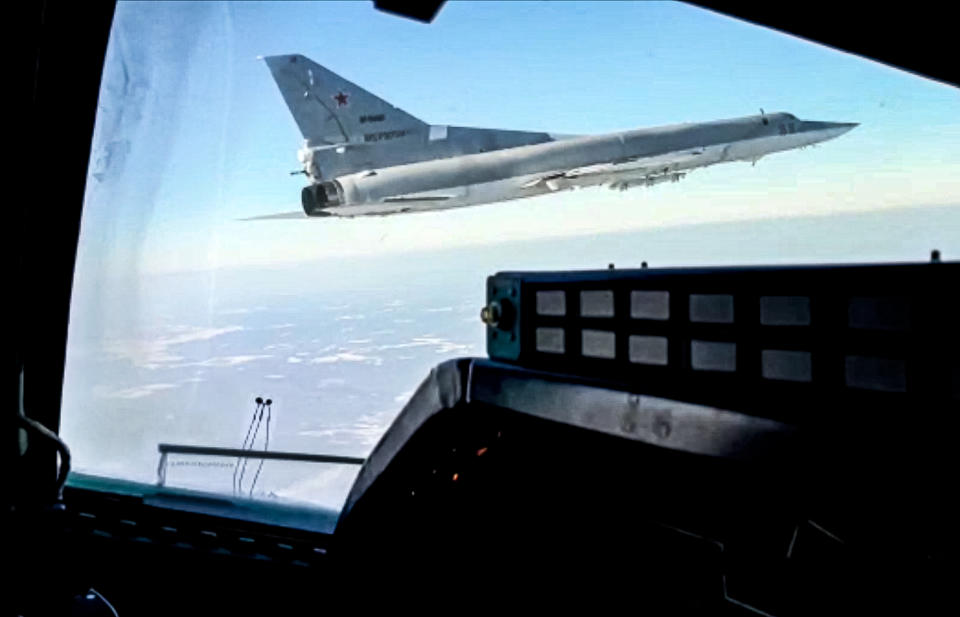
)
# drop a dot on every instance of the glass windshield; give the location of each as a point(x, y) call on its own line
point(302, 201)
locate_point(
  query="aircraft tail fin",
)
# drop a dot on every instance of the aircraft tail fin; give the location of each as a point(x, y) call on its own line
point(329, 109)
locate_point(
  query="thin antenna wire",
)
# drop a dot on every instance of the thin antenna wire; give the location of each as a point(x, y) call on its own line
point(266, 444)
point(259, 402)
point(256, 429)
point(246, 460)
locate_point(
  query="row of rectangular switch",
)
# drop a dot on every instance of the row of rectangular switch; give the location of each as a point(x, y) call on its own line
point(868, 313)
point(779, 364)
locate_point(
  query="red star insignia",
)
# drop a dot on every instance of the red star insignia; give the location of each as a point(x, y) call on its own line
point(341, 99)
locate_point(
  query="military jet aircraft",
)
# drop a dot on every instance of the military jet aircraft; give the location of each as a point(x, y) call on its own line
point(363, 156)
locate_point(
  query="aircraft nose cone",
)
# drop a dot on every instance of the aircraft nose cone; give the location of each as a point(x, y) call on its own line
point(844, 127)
point(830, 130)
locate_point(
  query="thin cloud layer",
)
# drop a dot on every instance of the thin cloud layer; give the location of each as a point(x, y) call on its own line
point(156, 352)
point(139, 391)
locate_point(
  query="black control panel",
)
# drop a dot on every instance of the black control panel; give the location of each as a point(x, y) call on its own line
point(775, 341)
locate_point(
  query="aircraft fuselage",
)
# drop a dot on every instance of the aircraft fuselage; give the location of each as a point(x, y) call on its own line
point(621, 160)
point(365, 156)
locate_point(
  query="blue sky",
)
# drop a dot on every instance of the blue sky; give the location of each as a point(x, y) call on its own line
point(200, 137)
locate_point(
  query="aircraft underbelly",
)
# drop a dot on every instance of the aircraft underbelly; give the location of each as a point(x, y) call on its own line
point(454, 197)
point(755, 148)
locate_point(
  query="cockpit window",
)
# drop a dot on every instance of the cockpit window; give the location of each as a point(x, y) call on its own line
point(217, 265)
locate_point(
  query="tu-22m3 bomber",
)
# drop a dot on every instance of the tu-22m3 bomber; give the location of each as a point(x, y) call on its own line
point(363, 156)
